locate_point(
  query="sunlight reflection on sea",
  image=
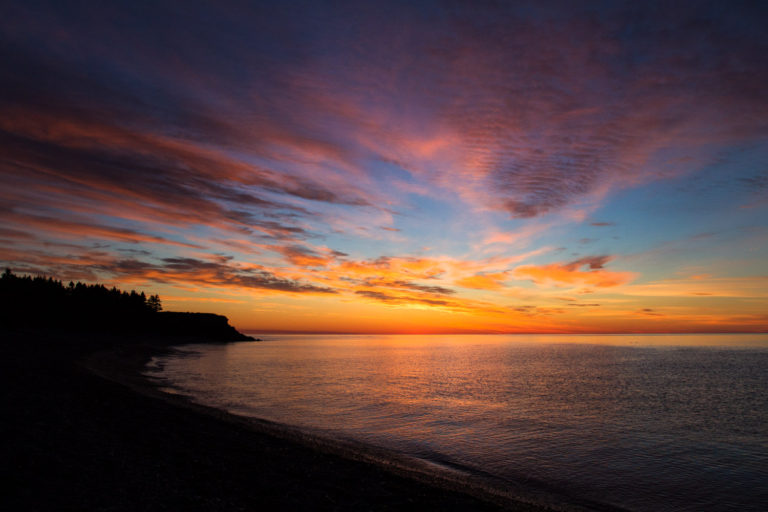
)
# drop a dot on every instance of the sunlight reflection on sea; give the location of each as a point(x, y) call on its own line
point(648, 423)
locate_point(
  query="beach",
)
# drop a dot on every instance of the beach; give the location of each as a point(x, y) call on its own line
point(84, 430)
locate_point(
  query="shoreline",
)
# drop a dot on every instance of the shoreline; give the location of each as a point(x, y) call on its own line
point(127, 368)
point(87, 431)
point(534, 496)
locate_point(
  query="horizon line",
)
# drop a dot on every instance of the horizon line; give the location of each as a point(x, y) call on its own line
point(492, 333)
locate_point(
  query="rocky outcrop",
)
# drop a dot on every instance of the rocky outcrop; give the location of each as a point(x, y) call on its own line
point(200, 325)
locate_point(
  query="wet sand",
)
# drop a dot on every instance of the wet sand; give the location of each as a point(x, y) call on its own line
point(84, 430)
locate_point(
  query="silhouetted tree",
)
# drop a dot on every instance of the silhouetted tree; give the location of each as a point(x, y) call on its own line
point(154, 303)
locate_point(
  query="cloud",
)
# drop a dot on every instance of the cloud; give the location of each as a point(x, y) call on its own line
point(395, 299)
point(538, 124)
point(650, 312)
point(14, 233)
point(593, 262)
point(138, 141)
point(491, 281)
point(77, 230)
point(571, 274)
point(405, 299)
point(429, 289)
point(170, 180)
point(210, 273)
point(395, 268)
point(531, 311)
point(496, 105)
point(304, 256)
point(215, 271)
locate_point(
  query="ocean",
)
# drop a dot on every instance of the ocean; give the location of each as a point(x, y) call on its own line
point(633, 422)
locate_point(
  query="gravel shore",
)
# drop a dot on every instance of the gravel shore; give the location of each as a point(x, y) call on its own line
point(84, 430)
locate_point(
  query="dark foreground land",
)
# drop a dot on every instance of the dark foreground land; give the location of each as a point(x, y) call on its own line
point(80, 433)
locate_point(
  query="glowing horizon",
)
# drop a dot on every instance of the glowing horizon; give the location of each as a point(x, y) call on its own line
point(389, 167)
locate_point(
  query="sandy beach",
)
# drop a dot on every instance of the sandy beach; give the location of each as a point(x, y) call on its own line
point(86, 431)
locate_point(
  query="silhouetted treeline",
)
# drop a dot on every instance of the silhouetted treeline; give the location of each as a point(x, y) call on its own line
point(43, 302)
point(39, 301)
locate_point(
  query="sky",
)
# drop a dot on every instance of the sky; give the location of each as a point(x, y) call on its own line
point(395, 167)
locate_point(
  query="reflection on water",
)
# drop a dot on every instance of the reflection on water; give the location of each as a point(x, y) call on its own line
point(642, 422)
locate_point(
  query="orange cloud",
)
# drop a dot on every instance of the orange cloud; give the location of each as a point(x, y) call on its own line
point(484, 281)
point(561, 274)
point(394, 267)
point(302, 256)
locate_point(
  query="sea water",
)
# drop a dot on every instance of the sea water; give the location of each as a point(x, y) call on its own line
point(643, 423)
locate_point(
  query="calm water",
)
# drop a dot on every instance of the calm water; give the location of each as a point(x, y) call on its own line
point(647, 423)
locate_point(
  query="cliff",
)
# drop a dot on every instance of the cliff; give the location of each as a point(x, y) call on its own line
point(203, 325)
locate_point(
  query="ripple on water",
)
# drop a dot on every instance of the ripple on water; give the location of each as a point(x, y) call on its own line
point(648, 428)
